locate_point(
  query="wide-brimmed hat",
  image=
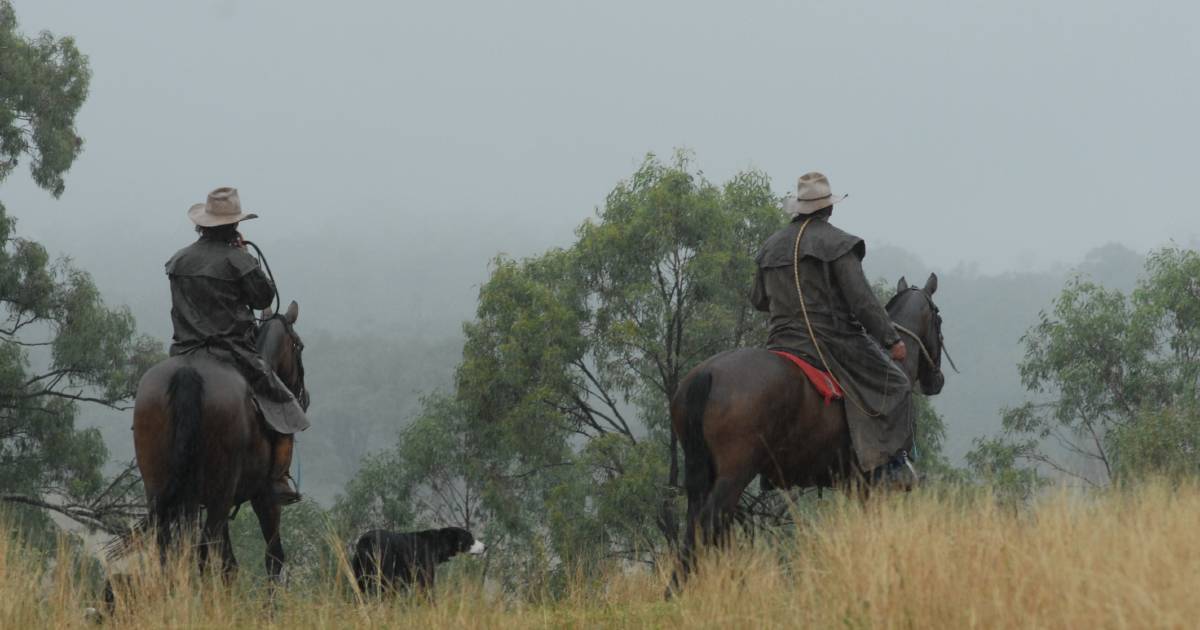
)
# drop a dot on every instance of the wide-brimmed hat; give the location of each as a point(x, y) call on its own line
point(812, 193)
point(222, 208)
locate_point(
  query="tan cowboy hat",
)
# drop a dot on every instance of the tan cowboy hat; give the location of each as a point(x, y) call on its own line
point(812, 193)
point(222, 208)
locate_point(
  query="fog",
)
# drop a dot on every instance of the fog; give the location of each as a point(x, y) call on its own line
point(393, 148)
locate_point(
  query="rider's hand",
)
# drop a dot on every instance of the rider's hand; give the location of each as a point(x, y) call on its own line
point(239, 241)
point(899, 352)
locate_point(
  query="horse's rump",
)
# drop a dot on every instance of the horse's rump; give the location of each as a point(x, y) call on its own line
point(193, 424)
point(762, 415)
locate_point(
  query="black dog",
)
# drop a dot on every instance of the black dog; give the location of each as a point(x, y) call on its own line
point(390, 560)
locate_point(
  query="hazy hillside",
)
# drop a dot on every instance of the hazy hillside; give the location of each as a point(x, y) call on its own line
point(985, 317)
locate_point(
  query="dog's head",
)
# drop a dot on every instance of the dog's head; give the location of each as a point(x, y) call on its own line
point(456, 540)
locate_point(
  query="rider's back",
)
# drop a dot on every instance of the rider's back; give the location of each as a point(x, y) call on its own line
point(214, 287)
point(837, 296)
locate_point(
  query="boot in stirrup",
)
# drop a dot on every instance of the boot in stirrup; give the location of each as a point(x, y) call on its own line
point(285, 491)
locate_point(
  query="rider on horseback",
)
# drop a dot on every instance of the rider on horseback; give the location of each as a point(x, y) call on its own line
point(841, 314)
point(215, 285)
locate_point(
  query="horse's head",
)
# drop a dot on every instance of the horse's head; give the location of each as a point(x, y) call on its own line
point(283, 350)
point(920, 326)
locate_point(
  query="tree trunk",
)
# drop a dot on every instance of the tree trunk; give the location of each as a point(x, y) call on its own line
point(667, 523)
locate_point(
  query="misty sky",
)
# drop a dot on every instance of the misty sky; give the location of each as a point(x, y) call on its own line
point(398, 146)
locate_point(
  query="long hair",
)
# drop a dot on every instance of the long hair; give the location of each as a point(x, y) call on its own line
point(221, 233)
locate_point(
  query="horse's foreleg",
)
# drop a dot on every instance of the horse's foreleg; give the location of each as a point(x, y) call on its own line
point(268, 511)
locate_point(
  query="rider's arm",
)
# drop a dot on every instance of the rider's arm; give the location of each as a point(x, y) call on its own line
point(258, 289)
point(758, 295)
point(849, 274)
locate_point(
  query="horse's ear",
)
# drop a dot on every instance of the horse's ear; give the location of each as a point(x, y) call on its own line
point(931, 284)
point(293, 312)
point(902, 286)
point(268, 313)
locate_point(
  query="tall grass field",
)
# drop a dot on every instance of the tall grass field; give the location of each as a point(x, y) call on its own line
point(1113, 559)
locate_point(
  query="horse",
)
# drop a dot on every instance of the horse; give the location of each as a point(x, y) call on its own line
point(200, 444)
point(750, 413)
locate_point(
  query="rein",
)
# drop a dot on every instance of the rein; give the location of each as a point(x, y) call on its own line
point(925, 351)
point(921, 344)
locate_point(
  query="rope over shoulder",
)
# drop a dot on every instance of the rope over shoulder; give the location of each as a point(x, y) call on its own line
point(808, 324)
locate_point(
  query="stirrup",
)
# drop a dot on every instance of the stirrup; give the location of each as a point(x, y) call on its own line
point(285, 490)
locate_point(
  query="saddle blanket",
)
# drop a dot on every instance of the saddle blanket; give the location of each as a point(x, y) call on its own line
point(822, 380)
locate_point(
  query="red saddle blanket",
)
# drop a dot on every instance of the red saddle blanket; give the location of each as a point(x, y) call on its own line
point(820, 379)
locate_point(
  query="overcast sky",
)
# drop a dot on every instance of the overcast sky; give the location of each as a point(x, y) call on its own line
point(401, 145)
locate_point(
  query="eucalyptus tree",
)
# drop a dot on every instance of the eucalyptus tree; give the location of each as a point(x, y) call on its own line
point(60, 345)
point(1115, 377)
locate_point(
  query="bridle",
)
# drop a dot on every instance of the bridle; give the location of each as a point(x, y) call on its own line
point(299, 388)
point(937, 319)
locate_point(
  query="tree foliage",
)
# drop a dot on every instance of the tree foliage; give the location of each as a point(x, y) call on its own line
point(575, 354)
point(43, 83)
point(60, 345)
point(556, 439)
point(1117, 375)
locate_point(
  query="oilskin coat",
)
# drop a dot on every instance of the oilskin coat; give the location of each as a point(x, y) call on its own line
point(848, 322)
point(214, 287)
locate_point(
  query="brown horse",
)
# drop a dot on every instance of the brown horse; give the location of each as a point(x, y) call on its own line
point(200, 444)
point(749, 412)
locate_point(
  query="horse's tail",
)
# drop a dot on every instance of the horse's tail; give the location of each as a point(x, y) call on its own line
point(185, 397)
point(698, 470)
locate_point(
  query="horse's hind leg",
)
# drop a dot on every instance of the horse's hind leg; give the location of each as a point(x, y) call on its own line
point(718, 510)
point(696, 500)
point(268, 511)
point(231, 563)
point(709, 512)
point(215, 538)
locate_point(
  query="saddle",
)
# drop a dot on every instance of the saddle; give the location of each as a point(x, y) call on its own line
point(826, 385)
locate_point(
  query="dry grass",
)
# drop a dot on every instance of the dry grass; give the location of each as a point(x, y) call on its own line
point(1113, 560)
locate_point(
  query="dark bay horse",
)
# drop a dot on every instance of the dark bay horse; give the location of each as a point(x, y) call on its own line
point(201, 445)
point(748, 412)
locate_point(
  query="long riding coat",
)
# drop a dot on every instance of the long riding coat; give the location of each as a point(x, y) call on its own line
point(848, 322)
point(214, 289)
